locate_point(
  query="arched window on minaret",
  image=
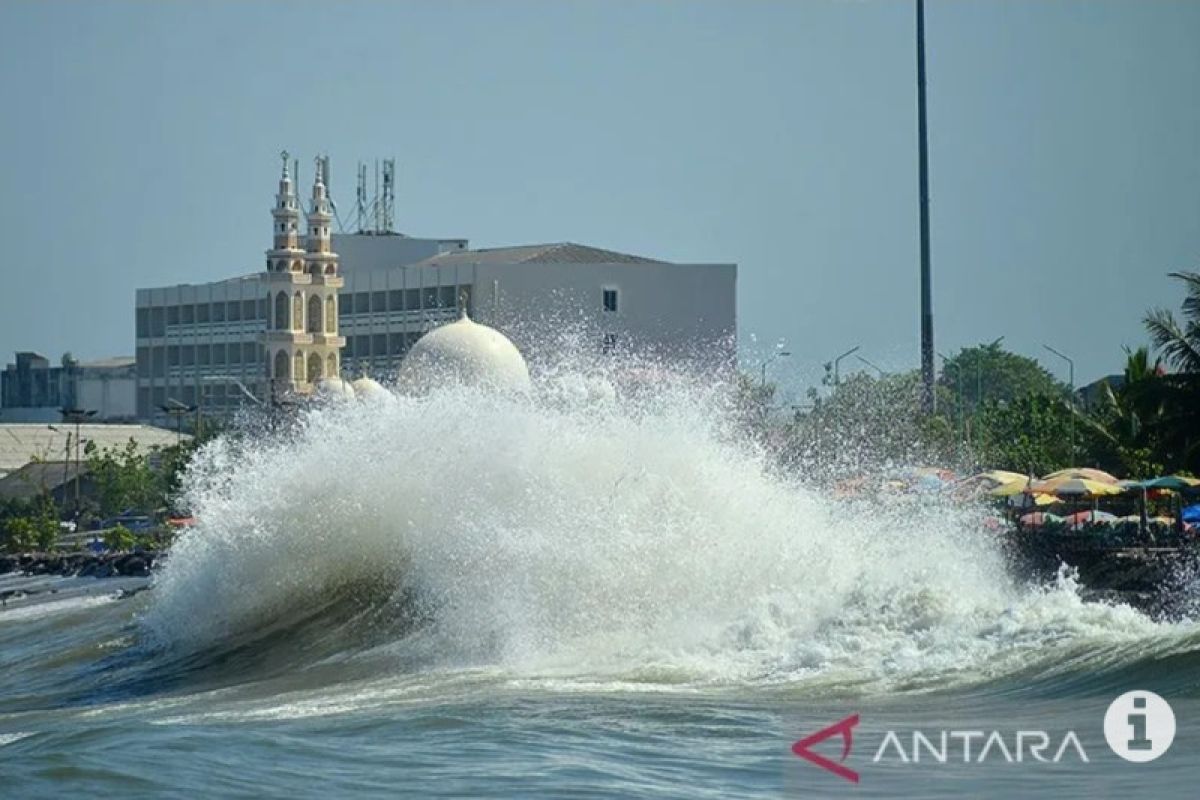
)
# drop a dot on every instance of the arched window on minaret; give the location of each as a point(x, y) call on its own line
point(314, 314)
point(298, 366)
point(330, 315)
point(298, 314)
point(331, 368)
point(281, 312)
point(281, 366)
point(314, 367)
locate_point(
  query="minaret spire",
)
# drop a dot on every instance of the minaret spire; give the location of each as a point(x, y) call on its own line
point(301, 341)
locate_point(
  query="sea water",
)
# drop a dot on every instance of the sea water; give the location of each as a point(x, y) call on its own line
point(584, 593)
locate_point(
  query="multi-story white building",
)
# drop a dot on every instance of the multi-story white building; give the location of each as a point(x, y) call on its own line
point(350, 303)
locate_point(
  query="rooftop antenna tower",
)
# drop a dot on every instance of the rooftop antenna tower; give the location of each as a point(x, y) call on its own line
point(389, 195)
point(360, 200)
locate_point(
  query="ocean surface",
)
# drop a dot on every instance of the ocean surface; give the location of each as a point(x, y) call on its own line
point(569, 596)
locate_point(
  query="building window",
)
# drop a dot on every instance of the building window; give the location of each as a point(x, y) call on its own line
point(202, 312)
point(249, 309)
point(610, 343)
point(610, 300)
point(281, 312)
point(396, 344)
point(233, 311)
point(281, 365)
point(330, 315)
point(218, 312)
point(187, 314)
point(203, 355)
point(298, 320)
point(172, 355)
point(379, 347)
point(362, 346)
point(362, 303)
point(396, 300)
point(315, 325)
point(143, 322)
point(378, 301)
point(218, 354)
point(172, 315)
point(412, 299)
point(158, 322)
point(187, 355)
point(250, 352)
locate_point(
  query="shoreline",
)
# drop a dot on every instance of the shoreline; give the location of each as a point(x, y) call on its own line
point(81, 565)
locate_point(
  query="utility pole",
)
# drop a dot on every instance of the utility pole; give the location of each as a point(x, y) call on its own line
point(928, 397)
point(1071, 396)
point(76, 416)
point(837, 363)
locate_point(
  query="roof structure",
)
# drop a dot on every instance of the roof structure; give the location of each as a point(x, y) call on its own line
point(38, 477)
point(22, 442)
point(556, 253)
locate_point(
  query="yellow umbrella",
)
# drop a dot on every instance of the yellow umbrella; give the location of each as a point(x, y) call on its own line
point(1075, 487)
point(1000, 476)
point(1011, 487)
point(1082, 473)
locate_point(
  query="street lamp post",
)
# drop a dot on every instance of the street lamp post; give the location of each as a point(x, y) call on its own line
point(1071, 396)
point(873, 366)
point(178, 410)
point(77, 416)
point(837, 362)
point(775, 355)
point(958, 402)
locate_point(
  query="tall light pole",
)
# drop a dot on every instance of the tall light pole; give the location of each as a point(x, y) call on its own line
point(928, 397)
point(958, 405)
point(76, 416)
point(775, 355)
point(873, 366)
point(837, 376)
point(1071, 396)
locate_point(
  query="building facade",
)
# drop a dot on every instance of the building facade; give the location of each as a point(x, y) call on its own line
point(350, 304)
point(32, 390)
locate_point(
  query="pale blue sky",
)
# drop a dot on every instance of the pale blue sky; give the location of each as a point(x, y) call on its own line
point(139, 148)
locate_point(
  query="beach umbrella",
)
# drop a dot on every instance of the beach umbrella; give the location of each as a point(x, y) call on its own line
point(1075, 487)
point(1173, 483)
point(1084, 517)
point(1082, 473)
point(1036, 519)
point(999, 476)
point(1016, 486)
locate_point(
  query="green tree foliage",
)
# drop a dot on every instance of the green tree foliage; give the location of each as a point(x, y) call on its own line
point(119, 538)
point(869, 423)
point(1179, 340)
point(34, 529)
point(989, 372)
point(1030, 434)
point(124, 479)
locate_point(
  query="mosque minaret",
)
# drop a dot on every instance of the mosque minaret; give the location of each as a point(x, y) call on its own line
point(301, 341)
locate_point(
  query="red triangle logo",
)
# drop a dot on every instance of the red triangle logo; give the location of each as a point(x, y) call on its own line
point(845, 729)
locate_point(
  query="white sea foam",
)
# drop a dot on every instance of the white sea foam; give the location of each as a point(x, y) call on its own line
point(579, 535)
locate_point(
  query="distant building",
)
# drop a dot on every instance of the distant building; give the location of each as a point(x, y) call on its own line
point(57, 479)
point(31, 390)
point(349, 303)
point(21, 443)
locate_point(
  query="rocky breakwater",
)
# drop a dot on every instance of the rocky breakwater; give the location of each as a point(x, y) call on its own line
point(82, 565)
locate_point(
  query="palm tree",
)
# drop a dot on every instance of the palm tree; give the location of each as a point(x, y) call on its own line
point(1179, 341)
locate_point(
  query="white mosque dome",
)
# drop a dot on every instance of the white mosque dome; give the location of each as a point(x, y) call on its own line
point(464, 352)
point(334, 389)
point(368, 389)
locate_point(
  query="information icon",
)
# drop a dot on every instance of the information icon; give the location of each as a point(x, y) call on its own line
point(1139, 726)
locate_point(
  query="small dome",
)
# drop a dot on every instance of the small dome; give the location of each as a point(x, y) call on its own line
point(368, 389)
point(464, 352)
point(334, 389)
